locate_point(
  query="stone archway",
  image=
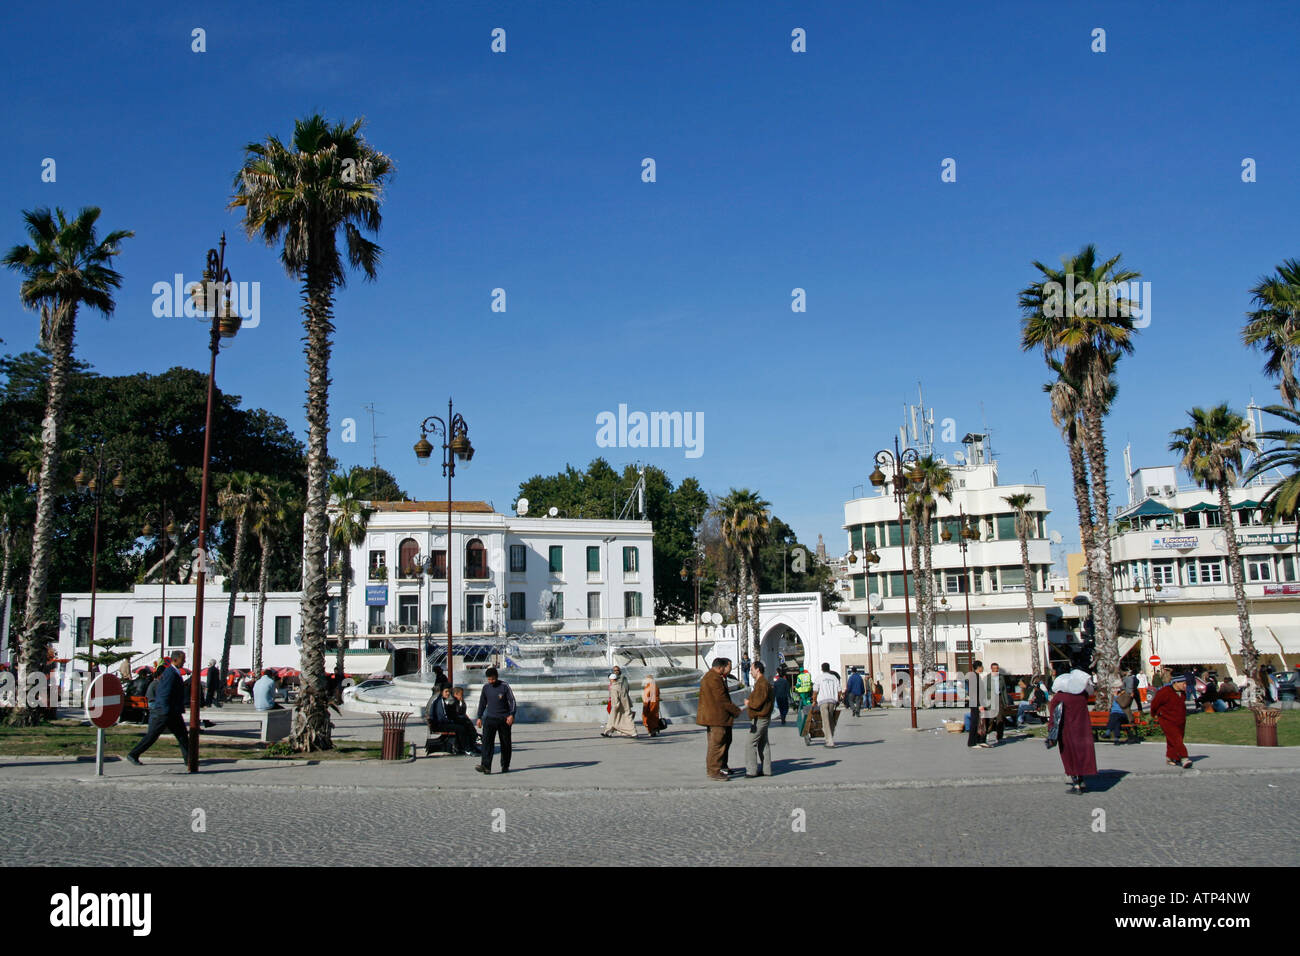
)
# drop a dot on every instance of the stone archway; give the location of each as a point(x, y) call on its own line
point(782, 637)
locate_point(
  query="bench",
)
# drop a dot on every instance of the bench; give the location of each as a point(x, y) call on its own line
point(275, 724)
point(1101, 720)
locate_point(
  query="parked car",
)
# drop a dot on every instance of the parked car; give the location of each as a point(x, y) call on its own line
point(1288, 685)
point(948, 693)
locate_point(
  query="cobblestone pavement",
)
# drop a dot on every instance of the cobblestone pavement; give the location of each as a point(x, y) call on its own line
point(886, 794)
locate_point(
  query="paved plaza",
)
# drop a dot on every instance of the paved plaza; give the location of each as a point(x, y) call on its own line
point(885, 795)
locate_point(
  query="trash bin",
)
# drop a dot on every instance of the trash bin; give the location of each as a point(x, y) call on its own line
point(1266, 727)
point(394, 744)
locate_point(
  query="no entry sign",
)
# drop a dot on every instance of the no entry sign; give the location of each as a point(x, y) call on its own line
point(1154, 660)
point(104, 700)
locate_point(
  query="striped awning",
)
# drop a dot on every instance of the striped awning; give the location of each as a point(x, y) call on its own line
point(1191, 645)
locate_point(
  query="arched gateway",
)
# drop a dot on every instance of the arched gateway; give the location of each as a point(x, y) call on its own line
point(798, 623)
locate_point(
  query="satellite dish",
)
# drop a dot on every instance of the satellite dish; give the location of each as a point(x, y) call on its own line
point(553, 511)
point(521, 507)
point(959, 457)
point(1055, 537)
point(715, 618)
point(874, 602)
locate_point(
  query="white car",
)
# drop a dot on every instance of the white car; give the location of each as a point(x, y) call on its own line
point(350, 691)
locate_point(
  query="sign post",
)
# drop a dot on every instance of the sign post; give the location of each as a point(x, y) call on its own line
point(104, 699)
point(1154, 660)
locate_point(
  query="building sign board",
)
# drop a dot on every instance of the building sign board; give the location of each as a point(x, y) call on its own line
point(376, 595)
point(1174, 541)
point(1270, 589)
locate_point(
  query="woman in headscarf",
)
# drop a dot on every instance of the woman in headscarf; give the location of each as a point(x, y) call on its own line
point(650, 705)
point(1070, 691)
point(620, 707)
point(1169, 709)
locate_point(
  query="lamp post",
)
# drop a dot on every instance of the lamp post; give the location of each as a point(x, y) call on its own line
point(455, 444)
point(869, 558)
point(95, 487)
point(899, 460)
point(167, 535)
point(211, 297)
point(1149, 599)
point(964, 538)
point(693, 569)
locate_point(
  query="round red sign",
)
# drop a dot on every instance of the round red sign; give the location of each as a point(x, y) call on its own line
point(1153, 660)
point(104, 699)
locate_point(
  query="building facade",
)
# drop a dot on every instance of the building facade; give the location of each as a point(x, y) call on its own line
point(993, 578)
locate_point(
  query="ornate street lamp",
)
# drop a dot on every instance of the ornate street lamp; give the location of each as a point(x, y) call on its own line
point(455, 444)
point(965, 536)
point(166, 536)
point(902, 463)
point(93, 487)
point(211, 299)
point(693, 569)
point(869, 558)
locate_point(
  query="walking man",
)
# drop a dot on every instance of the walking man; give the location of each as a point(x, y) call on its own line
point(214, 681)
point(716, 712)
point(855, 692)
point(166, 710)
point(758, 755)
point(977, 694)
point(496, 715)
point(827, 693)
point(781, 690)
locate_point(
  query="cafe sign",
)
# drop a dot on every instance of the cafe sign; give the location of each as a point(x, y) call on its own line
point(376, 595)
point(1169, 542)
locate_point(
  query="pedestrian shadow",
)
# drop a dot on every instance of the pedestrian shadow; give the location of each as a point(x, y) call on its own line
point(567, 765)
point(782, 765)
point(1104, 780)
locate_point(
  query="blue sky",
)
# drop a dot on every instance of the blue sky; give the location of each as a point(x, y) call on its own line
point(775, 170)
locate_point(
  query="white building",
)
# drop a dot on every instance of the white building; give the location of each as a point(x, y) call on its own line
point(597, 576)
point(994, 578)
point(1173, 586)
point(594, 575)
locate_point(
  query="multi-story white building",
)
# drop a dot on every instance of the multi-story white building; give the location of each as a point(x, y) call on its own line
point(595, 576)
point(993, 579)
point(1173, 586)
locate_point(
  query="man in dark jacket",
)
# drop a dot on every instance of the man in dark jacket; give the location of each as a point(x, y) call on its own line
point(166, 710)
point(716, 712)
point(442, 719)
point(758, 755)
point(496, 715)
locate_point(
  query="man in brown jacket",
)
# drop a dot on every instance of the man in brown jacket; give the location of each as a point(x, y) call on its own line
point(716, 712)
point(759, 706)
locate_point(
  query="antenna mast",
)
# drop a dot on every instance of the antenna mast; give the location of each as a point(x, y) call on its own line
point(374, 437)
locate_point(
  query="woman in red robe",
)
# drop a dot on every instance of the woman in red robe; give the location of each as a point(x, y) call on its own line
point(1077, 754)
point(1170, 711)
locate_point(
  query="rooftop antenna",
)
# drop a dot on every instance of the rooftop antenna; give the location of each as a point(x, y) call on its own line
point(638, 494)
point(374, 437)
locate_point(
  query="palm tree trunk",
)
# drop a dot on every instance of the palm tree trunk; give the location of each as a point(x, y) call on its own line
point(234, 594)
point(344, 587)
point(755, 617)
point(1106, 656)
point(932, 613)
point(263, 576)
point(1249, 654)
point(311, 725)
point(927, 665)
point(1023, 534)
point(1082, 500)
point(39, 626)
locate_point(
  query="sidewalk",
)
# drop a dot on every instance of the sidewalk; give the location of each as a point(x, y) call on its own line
point(878, 749)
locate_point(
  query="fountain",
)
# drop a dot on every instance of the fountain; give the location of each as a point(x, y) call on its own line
point(555, 676)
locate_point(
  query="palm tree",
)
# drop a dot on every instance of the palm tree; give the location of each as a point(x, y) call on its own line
point(913, 508)
point(1019, 503)
point(745, 522)
point(1087, 335)
point(66, 266)
point(936, 482)
point(327, 180)
point(15, 511)
point(1212, 447)
point(234, 500)
point(274, 503)
point(349, 500)
point(1274, 327)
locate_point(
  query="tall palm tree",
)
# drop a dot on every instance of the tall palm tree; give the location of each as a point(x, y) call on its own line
point(234, 500)
point(746, 519)
point(350, 513)
point(1019, 503)
point(936, 483)
point(327, 180)
point(914, 508)
point(273, 507)
point(66, 266)
point(1274, 327)
point(1087, 334)
point(1212, 447)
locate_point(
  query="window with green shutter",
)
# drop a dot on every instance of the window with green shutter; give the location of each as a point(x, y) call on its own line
point(630, 560)
point(855, 537)
point(557, 558)
point(859, 585)
point(282, 627)
point(1006, 527)
point(593, 560)
point(237, 632)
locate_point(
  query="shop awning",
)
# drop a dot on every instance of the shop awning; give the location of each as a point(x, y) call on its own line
point(1190, 645)
point(1202, 506)
point(1146, 509)
point(1287, 636)
point(1248, 503)
point(1265, 642)
point(1012, 657)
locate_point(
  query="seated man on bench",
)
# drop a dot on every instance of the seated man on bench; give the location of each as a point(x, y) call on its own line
point(443, 713)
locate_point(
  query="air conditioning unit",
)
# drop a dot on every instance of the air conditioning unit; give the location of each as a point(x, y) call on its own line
point(1169, 491)
point(1151, 493)
point(402, 629)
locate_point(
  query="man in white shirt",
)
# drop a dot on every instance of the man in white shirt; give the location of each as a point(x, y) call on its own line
point(827, 689)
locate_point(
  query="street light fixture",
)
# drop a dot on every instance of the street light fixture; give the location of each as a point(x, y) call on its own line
point(211, 298)
point(92, 487)
point(901, 460)
point(167, 536)
point(869, 558)
point(455, 444)
point(965, 536)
